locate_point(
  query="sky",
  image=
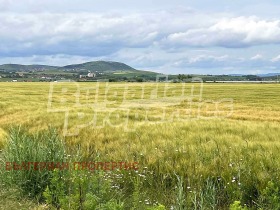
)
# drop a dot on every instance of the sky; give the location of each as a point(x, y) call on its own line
point(171, 37)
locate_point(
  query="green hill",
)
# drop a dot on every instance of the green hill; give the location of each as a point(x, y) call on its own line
point(19, 67)
point(100, 66)
point(113, 71)
point(95, 66)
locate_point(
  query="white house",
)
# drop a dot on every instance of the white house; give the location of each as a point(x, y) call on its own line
point(91, 74)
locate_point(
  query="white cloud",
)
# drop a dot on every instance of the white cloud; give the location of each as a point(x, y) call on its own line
point(225, 62)
point(90, 34)
point(202, 58)
point(203, 61)
point(276, 59)
point(77, 34)
point(102, 34)
point(257, 57)
point(230, 32)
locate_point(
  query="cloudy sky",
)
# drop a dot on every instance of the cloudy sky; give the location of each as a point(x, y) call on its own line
point(178, 36)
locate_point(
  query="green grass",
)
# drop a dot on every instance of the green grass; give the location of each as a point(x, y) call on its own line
point(23, 147)
point(12, 199)
point(220, 160)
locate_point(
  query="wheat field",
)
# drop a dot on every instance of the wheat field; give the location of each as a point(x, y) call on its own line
point(197, 131)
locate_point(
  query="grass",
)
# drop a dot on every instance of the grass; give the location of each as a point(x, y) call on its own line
point(12, 199)
point(23, 147)
point(193, 159)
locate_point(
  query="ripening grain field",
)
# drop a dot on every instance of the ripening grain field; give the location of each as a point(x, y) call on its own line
point(199, 146)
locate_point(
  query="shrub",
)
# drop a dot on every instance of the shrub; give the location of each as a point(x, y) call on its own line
point(159, 207)
point(270, 196)
point(237, 206)
point(81, 190)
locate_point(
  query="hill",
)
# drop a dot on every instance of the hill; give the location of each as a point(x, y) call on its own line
point(96, 70)
point(95, 66)
point(100, 66)
point(19, 67)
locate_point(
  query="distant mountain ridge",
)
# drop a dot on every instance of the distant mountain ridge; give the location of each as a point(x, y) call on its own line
point(101, 66)
point(260, 75)
point(268, 75)
point(19, 67)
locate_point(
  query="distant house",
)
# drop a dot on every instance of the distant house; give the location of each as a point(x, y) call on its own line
point(91, 75)
point(83, 76)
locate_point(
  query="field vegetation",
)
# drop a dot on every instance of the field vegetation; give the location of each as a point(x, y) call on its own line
point(199, 146)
